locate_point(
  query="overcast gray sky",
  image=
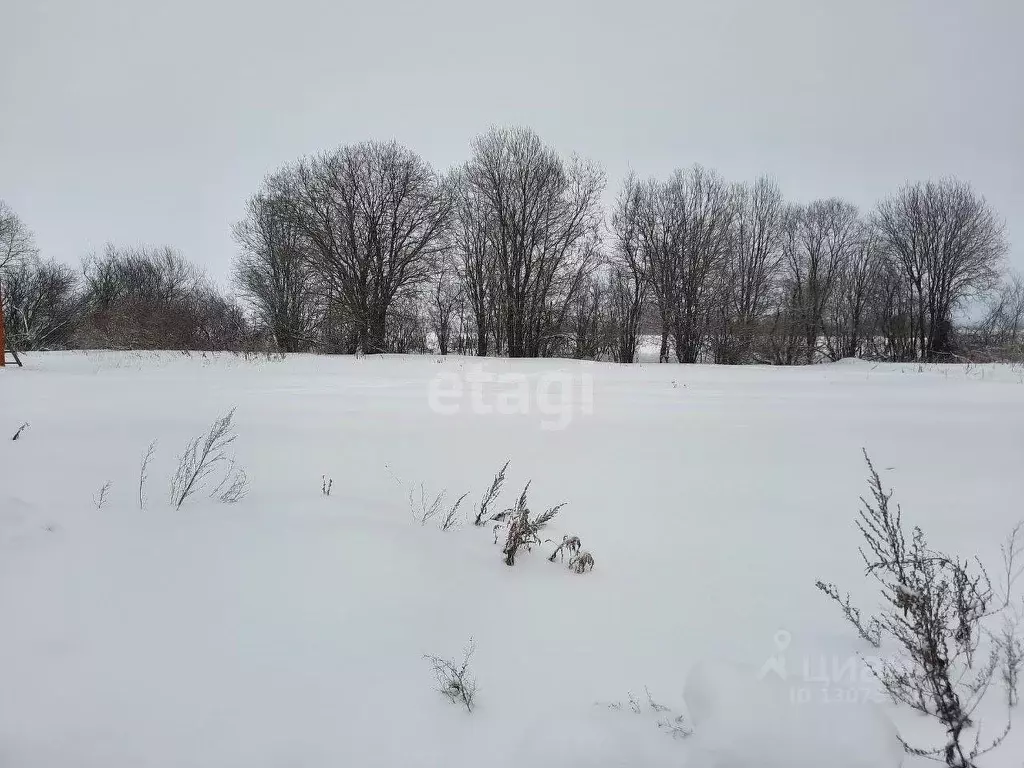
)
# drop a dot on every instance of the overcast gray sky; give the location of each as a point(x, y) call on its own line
point(152, 121)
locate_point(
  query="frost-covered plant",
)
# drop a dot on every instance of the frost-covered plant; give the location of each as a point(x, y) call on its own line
point(490, 496)
point(202, 457)
point(453, 679)
point(451, 517)
point(1013, 656)
point(232, 487)
point(570, 545)
point(581, 563)
point(522, 528)
point(938, 610)
point(99, 500)
point(426, 508)
point(871, 631)
point(144, 473)
point(668, 721)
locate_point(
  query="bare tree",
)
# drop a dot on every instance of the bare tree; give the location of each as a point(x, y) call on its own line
point(857, 286)
point(219, 321)
point(42, 303)
point(685, 229)
point(589, 320)
point(16, 241)
point(817, 241)
point(272, 271)
point(949, 244)
point(707, 214)
point(999, 335)
point(16, 246)
point(407, 325)
point(659, 233)
point(154, 298)
point(373, 215)
point(783, 341)
point(629, 279)
point(542, 219)
point(754, 261)
point(445, 298)
point(470, 235)
point(893, 309)
point(139, 275)
point(142, 298)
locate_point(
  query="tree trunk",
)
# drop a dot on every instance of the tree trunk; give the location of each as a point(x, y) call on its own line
point(376, 333)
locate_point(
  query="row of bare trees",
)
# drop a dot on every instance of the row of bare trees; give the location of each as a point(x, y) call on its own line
point(124, 298)
point(735, 274)
point(349, 247)
point(511, 253)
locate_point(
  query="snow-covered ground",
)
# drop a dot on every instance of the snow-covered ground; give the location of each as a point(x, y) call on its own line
point(289, 629)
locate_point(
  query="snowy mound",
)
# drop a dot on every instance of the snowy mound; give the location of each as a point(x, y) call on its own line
point(741, 721)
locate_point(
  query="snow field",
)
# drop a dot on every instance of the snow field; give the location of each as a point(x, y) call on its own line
point(289, 629)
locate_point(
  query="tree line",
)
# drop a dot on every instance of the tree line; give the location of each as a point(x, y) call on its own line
point(368, 248)
point(124, 298)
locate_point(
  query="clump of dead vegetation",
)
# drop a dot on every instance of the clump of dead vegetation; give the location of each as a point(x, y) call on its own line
point(517, 528)
point(580, 561)
point(203, 458)
point(521, 527)
point(670, 722)
point(454, 680)
point(426, 508)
